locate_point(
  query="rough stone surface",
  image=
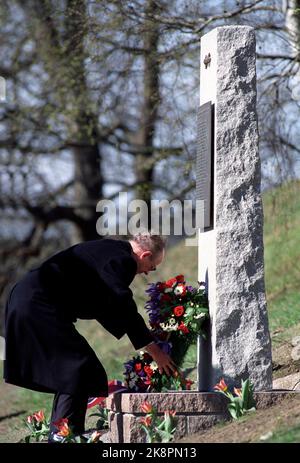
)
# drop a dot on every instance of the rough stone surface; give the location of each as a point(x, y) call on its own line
point(106, 438)
point(240, 343)
point(291, 382)
point(296, 341)
point(267, 399)
point(295, 354)
point(187, 402)
point(115, 421)
point(131, 431)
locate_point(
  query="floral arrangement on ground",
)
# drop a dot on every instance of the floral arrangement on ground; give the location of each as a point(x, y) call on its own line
point(177, 315)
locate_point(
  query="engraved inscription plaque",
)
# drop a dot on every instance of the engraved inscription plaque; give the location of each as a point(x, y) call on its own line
point(204, 167)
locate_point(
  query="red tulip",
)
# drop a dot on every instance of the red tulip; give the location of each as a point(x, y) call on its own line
point(39, 416)
point(146, 421)
point(63, 427)
point(221, 386)
point(237, 392)
point(146, 407)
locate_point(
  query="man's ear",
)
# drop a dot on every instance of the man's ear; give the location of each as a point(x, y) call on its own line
point(146, 254)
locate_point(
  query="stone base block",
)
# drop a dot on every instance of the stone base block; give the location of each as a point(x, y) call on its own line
point(195, 411)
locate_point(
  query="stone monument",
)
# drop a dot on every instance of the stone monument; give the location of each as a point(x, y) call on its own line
point(231, 257)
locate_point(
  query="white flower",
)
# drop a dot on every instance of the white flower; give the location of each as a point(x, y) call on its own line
point(154, 365)
point(172, 321)
point(178, 290)
point(142, 352)
point(200, 315)
point(167, 327)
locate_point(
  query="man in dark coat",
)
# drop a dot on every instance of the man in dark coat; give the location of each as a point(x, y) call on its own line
point(90, 280)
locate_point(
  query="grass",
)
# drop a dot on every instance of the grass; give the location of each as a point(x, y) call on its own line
point(282, 269)
point(286, 436)
point(282, 254)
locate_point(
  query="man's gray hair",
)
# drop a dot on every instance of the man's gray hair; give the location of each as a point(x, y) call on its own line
point(149, 241)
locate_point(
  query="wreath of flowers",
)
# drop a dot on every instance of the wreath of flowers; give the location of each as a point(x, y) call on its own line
point(177, 313)
point(175, 307)
point(142, 375)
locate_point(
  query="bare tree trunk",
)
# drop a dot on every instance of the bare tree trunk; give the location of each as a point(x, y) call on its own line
point(88, 178)
point(143, 168)
point(88, 191)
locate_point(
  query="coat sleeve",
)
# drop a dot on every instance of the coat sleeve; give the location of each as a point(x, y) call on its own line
point(117, 274)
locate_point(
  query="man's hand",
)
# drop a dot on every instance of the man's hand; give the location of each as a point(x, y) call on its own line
point(163, 360)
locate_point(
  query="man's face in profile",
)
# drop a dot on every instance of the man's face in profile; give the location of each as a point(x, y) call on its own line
point(147, 262)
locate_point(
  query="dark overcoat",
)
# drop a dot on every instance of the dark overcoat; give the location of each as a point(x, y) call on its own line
point(90, 280)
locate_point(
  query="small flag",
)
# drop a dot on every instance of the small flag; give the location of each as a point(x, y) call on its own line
point(113, 386)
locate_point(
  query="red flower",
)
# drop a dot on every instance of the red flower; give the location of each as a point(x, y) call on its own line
point(63, 427)
point(146, 407)
point(161, 287)
point(148, 370)
point(221, 386)
point(182, 327)
point(188, 383)
point(39, 416)
point(237, 391)
point(178, 311)
point(138, 367)
point(180, 278)
point(165, 298)
point(170, 283)
point(146, 421)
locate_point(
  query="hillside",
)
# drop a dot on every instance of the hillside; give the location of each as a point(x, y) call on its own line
point(282, 264)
